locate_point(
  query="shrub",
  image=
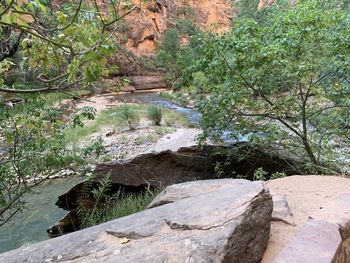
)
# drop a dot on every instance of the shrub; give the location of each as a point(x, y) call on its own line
point(116, 207)
point(129, 116)
point(260, 174)
point(155, 114)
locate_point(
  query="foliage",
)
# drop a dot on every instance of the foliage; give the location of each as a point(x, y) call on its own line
point(32, 149)
point(45, 48)
point(174, 55)
point(96, 147)
point(249, 9)
point(260, 174)
point(155, 114)
point(129, 116)
point(200, 82)
point(86, 112)
point(116, 206)
point(71, 50)
point(283, 84)
point(278, 175)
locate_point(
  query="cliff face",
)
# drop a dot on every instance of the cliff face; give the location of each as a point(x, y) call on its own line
point(145, 25)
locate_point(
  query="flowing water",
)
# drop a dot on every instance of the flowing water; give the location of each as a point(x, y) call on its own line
point(150, 98)
point(41, 212)
point(30, 225)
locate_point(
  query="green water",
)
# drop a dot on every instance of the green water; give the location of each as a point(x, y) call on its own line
point(30, 225)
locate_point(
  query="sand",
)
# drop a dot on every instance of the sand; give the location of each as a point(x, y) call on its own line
point(306, 195)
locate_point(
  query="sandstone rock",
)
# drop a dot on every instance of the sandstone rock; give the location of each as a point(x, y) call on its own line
point(128, 89)
point(148, 82)
point(337, 211)
point(229, 222)
point(281, 210)
point(177, 192)
point(316, 242)
point(156, 16)
point(323, 238)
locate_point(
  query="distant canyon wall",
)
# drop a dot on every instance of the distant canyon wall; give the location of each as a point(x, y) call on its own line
point(145, 26)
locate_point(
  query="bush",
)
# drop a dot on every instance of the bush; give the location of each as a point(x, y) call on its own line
point(119, 206)
point(200, 81)
point(155, 114)
point(129, 116)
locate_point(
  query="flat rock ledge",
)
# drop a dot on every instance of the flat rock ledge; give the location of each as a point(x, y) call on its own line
point(216, 221)
point(325, 236)
point(321, 229)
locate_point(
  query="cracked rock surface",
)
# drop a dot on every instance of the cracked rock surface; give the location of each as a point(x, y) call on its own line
point(226, 221)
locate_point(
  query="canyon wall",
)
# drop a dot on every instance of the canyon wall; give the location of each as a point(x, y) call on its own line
point(148, 22)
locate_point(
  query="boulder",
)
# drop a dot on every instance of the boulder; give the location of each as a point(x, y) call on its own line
point(148, 82)
point(337, 211)
point(159, 169)
point(281, 210)
point(189, 164)
point(186, 190)
point(227, 222)
point(316, 242)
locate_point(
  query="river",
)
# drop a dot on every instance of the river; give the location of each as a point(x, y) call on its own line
point(41, 212)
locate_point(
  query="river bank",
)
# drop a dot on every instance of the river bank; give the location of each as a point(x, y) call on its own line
point(30, 226)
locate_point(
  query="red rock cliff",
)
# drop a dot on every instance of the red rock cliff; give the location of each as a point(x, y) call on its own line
point(145, 25)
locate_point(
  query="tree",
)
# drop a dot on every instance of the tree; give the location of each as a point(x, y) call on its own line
point(174, 55)
point(250, 9)
point(68, 45)
point(283, 84)
point(60, 48)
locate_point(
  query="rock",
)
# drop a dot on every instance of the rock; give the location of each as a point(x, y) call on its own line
point(177, 192)
point(159, 169)
point(316, 242)
point(128, 89)
point(67, 224)
point(229, 222)
point(323, 238)
point(148, 82)
point(147, 25)
point(188, 164)
point(337, 211)
point(281, 210)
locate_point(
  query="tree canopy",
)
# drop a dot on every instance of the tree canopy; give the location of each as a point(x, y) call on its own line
point(284, 83)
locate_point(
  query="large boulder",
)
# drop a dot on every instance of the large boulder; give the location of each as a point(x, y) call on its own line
point(229, 221)
point(189, 164)
point(159, 169)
